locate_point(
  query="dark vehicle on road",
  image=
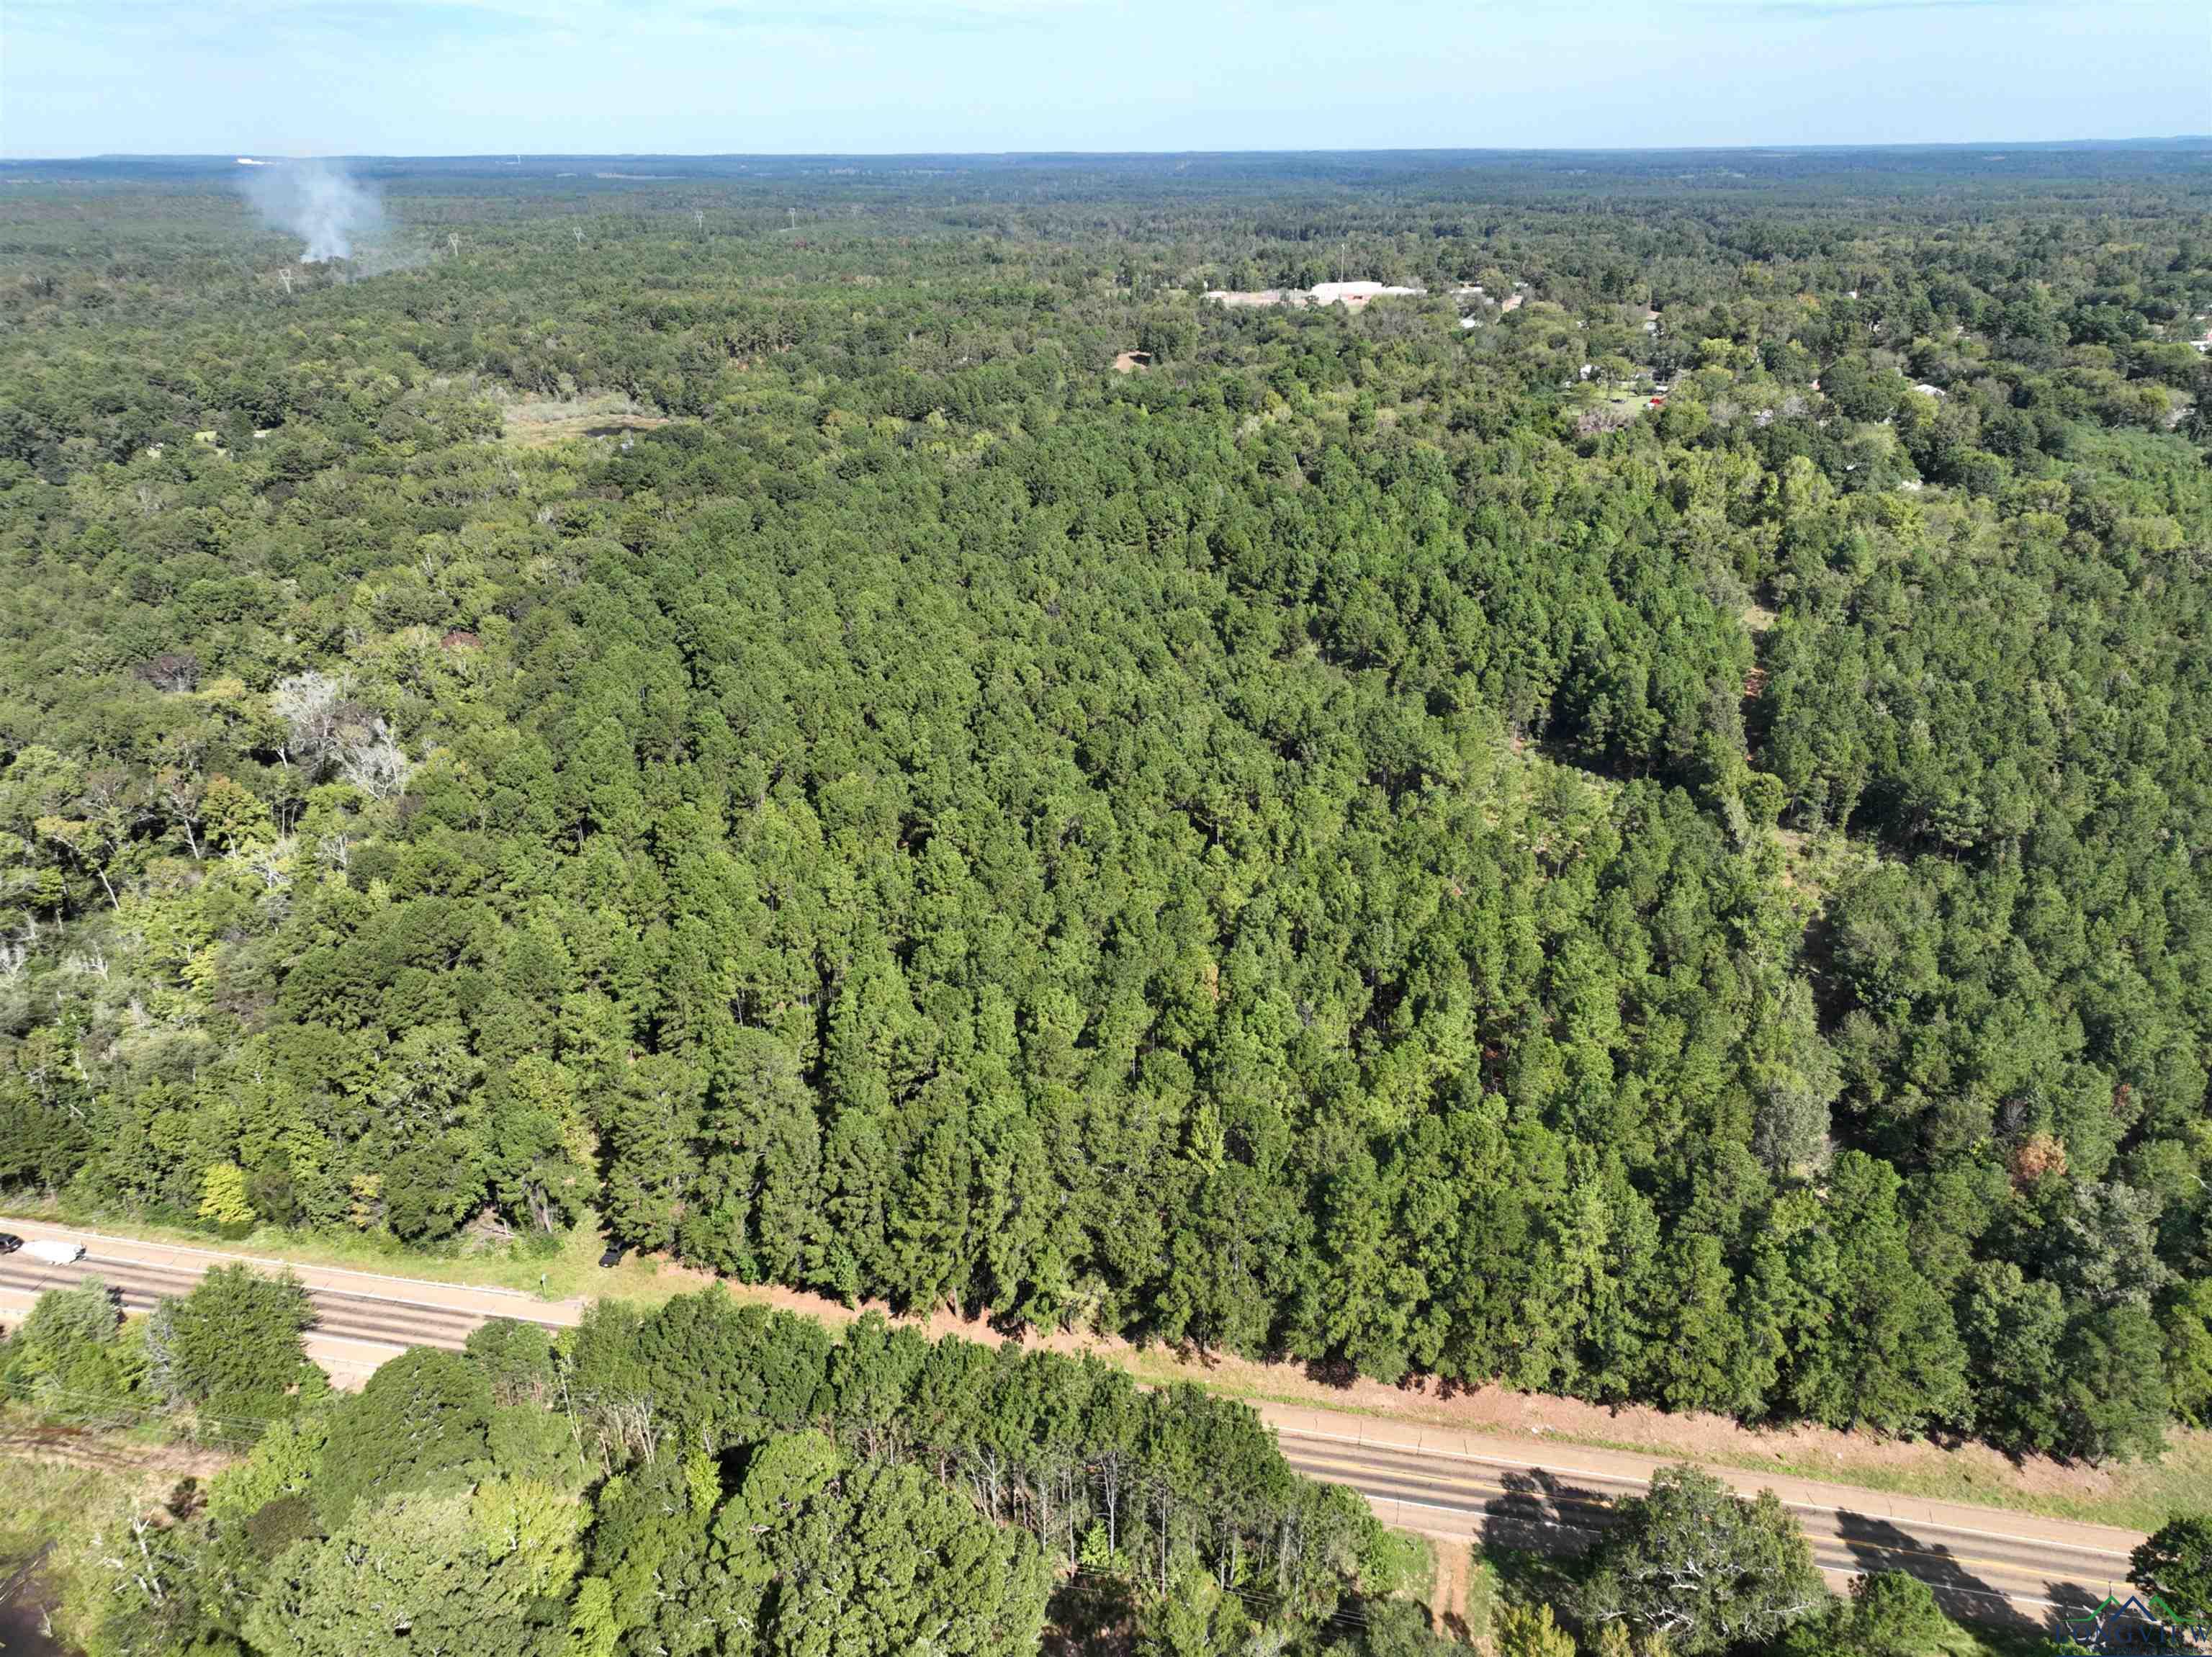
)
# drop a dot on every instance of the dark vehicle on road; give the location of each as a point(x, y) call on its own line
point(9, 1242)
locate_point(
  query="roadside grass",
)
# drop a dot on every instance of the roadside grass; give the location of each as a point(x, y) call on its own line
point(1484, 1585)
point(1965, 1640)
point(40, 1502)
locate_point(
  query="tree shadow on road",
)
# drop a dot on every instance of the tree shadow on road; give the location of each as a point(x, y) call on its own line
point(1536, 1534)
point(1538, 1531)
point(1876, 1545)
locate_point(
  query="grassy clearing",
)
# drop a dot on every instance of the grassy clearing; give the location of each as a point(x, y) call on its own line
point(543, 422)
point(1816, 865)
point(40, 1499)
point(41, 1502)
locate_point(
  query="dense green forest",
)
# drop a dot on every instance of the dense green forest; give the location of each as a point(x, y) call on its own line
point(1641, 833)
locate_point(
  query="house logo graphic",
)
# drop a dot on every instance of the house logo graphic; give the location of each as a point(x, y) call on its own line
point(2142, 1623)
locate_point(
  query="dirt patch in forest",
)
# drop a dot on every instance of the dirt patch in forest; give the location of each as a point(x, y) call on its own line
point(1448, 1607)
point(1130, 361)
point(1797, 876)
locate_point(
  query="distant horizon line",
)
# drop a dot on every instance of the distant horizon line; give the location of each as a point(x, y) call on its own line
point(233, 156)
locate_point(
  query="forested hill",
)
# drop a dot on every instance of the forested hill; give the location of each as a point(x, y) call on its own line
point(1382, 837)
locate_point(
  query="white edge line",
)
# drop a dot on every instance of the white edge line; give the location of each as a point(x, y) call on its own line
point(1629, 1478)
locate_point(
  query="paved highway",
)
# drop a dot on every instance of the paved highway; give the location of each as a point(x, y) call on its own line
point(390, 1318)
point(1984, 1570)
point(1986, 1563)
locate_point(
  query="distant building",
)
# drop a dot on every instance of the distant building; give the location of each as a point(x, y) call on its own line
point(1353, 295)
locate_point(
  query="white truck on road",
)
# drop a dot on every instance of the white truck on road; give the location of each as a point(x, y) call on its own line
point(54, 1251)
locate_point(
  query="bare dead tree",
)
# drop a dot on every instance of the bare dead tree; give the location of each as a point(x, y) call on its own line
point(309, 705)
point(373, 761)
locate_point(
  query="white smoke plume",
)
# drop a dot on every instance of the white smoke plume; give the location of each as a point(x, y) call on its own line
point(318, 202)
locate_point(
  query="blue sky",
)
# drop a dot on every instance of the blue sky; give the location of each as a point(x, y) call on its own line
point(458, 76)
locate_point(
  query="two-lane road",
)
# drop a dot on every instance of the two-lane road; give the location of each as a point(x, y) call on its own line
point(378, 1320)
point(1985, 1569)
point(1988, 1563)
point(361, 1319)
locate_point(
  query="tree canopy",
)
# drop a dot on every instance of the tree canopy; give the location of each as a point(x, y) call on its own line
point(1366, 839)
point(712, 1478)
